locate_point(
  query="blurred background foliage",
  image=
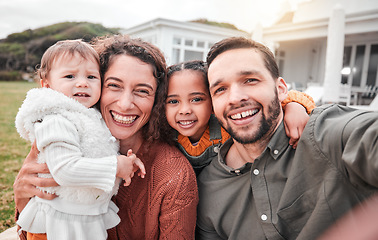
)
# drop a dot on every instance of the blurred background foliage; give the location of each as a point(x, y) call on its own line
point(21, 52)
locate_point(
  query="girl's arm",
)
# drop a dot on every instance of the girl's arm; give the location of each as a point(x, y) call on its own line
point(296, 106)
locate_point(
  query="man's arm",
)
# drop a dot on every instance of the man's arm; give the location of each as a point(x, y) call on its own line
point(348, 138)
point(360, 153)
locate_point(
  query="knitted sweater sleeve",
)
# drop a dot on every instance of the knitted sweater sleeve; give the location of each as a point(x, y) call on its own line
point(300, 97)
point(59, 142)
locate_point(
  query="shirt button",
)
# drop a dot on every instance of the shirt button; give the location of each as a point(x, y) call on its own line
point(216, 149)
point(264, 217)
point(275, 152)
point(256, 172)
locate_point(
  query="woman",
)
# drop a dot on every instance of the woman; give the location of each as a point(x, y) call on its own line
point(163, 205)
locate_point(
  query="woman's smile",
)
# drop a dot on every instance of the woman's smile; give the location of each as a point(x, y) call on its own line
point(123, 119)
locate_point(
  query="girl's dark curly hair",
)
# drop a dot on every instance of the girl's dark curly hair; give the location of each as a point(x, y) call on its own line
point(110, 46)
point(195, 65)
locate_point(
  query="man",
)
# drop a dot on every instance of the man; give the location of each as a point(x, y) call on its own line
point(259, 187)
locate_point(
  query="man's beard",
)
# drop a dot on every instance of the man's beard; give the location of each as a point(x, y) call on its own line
point(267, 124)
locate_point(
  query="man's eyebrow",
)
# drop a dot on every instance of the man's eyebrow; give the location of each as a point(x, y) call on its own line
point(241, 73)
point(248, 72)
point(216, 83)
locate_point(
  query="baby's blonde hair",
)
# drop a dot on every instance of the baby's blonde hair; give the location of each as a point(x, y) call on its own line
point(65, 47)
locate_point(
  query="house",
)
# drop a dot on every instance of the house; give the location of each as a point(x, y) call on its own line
point(182, 41)
point(331, 44)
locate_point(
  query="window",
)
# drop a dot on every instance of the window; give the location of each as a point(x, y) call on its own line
point(186, 49)
point(201, 44)
point(176, 41)
point(176, 55)
point(188, 42)
point(360, 63)
point(346, 65)
point(192, 55)
point(373, 65)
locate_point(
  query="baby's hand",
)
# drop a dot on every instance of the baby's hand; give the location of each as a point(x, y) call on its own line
point(138, 164)
point(128, 165)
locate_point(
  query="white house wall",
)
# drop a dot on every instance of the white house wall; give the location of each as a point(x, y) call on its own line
point(161, 32)
point(311, 53)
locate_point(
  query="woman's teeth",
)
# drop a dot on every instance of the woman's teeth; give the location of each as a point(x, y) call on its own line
point(123, 119)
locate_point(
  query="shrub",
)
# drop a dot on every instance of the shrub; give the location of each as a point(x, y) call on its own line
point(10, 76)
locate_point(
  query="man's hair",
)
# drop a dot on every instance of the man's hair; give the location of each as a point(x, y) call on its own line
point(65, 47)
point(241, 42)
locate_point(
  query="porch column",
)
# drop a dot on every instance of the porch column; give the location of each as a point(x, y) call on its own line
point(258, 36)
point(334, 55)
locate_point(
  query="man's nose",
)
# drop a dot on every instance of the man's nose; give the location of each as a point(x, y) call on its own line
point(237, 94)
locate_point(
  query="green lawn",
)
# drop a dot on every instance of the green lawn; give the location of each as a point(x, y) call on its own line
point(13, 148)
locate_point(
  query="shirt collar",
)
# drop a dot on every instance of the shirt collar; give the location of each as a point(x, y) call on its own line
point(278, 143)
point(221, 156)
point(276, 146)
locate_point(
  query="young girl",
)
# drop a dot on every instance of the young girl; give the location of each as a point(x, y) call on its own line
point(189, 112)
point(79, 150)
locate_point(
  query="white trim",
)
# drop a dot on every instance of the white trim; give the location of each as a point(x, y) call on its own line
point(198, 27)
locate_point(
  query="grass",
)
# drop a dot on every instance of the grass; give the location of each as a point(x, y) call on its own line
point(13, 148)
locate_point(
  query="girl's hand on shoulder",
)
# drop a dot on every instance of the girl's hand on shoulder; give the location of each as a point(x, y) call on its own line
point(295, 120)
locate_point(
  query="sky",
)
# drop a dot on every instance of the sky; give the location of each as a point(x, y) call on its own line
point(20, 15)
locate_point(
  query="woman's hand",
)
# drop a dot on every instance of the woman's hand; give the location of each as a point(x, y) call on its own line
point(27, 180)
point(295, 120)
